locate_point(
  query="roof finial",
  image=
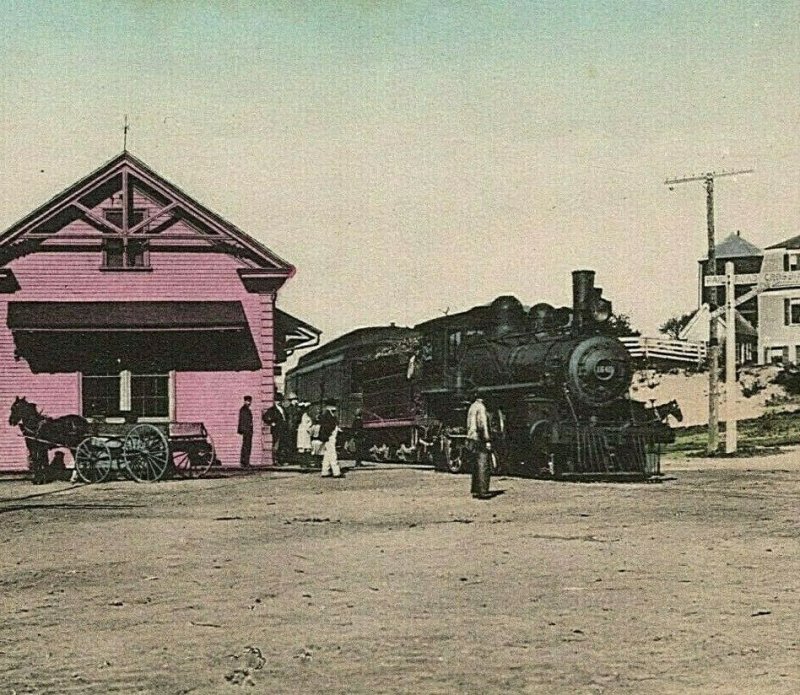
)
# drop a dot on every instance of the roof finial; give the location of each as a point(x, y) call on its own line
point(125, 134)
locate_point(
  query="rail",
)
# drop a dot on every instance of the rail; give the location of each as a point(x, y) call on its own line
point(667, 349)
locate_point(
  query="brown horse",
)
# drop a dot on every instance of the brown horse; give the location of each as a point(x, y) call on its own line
point(43, 433)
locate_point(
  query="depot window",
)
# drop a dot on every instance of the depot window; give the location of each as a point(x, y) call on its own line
point(144, 396)
point(125, 252)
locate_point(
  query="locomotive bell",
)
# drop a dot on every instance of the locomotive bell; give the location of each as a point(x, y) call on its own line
point(599, 308)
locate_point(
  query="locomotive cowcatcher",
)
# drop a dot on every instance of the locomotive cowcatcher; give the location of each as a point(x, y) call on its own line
point(555, 383)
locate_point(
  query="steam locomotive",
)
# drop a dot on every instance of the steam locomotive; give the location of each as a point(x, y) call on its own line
point(556, 386)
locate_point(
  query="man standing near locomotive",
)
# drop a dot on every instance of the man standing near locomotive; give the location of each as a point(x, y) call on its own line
point(245, 428)
point(480, 445)
point(328, 429)
point(357, 429)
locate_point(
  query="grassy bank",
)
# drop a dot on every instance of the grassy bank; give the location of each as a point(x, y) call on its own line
point(769, 430)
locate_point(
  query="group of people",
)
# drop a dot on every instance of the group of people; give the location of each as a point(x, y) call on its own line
point(296, 435)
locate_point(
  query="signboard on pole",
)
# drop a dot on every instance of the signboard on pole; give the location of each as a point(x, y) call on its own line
point(720, 280)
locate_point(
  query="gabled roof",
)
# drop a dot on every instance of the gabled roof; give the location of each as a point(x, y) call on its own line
point(126, 164)
point(699, 324)
point(736, 246)
point(791, 243)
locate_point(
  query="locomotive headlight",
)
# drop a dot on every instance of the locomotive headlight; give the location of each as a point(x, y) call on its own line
point(601, 310)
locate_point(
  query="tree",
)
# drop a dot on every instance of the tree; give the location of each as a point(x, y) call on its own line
point(619, 325)
point(673, 326)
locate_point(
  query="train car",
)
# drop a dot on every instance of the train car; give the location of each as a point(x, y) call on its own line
point(365, 370)
point(555, 383)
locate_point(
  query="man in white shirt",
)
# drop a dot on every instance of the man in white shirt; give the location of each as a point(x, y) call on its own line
point(480, 444)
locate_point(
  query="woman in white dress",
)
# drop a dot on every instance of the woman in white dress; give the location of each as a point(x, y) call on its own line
point(304, 431)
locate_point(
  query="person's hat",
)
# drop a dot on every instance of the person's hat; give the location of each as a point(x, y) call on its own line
point(248, 398)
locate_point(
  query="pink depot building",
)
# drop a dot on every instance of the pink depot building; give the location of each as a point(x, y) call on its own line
point(123, 296)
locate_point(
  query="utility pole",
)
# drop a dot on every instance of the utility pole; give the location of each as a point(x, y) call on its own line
point(731, 391)
point(713, 342)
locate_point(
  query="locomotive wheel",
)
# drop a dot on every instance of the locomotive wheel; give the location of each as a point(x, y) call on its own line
point(93, 460)
point(146, 453)
point(195, 461)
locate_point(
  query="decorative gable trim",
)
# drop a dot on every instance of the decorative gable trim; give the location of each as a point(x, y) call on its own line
point(122, 174)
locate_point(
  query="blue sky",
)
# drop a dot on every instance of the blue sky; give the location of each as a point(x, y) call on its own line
point(410, 157)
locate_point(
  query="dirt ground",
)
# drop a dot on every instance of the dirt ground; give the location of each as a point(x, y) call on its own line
point(394, 580)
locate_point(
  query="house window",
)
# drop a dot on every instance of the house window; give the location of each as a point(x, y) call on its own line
point(791, 312)
point(777, 355)
point(791, 261)
point(110, 395)
point(119, 254)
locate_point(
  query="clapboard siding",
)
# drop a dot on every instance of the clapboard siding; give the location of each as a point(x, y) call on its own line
point(210, 397)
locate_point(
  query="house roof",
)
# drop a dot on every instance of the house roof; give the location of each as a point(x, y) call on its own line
point(790, 243)
point(735, 246)
point(254, 250)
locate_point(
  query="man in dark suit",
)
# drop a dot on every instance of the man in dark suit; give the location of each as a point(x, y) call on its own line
point(357, 429)
point(275, 417)
point(245, 429)
point(292, 409)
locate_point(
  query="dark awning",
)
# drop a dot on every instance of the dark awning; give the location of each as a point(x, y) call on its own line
point(292, 334)
point(110, 336)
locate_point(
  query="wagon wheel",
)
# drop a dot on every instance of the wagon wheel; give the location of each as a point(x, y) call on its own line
point(93, 460)
point(195, 460)
point(146, 453)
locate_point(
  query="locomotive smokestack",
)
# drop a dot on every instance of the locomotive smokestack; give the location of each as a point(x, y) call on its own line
point(582, 294)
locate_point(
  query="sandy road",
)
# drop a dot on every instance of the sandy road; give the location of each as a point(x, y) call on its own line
point(396, 581)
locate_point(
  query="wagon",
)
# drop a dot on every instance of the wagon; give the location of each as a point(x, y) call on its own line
point(146, 452)
point(192, 449)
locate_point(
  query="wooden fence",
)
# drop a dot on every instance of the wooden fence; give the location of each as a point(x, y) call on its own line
point(666, 349)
